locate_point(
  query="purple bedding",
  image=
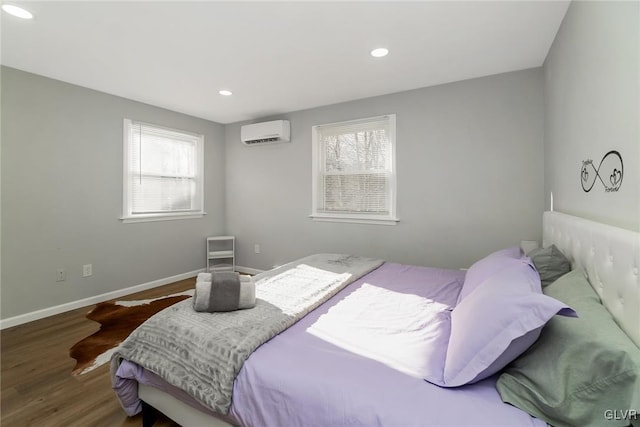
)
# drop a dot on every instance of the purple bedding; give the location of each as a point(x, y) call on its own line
point(299, 379)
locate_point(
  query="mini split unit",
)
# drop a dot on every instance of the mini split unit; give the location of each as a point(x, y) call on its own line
point(265, 132)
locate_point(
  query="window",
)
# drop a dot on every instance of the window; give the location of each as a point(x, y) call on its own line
point(163, 173)
point(354, 176)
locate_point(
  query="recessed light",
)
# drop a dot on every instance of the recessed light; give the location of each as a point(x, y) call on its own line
point(379, 52)
point(225, 92)
point(17, 11)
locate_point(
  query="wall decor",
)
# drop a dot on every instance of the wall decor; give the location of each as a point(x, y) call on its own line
point(609, 172)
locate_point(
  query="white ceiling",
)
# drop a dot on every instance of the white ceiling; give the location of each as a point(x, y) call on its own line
point(276, 57)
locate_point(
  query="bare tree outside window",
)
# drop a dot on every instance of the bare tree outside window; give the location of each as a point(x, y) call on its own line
point(355, 168)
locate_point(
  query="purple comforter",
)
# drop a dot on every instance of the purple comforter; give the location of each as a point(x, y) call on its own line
point(298, 379)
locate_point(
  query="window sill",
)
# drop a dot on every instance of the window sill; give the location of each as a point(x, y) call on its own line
point(161, 217)
point(354, 219)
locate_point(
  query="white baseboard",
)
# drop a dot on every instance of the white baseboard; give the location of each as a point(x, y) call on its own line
point(51, 311)
point(248, 270)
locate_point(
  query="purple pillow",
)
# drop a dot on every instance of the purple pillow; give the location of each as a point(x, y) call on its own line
point(497, 323)
point(488, 266)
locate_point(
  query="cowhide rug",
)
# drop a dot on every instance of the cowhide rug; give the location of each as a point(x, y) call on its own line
point(117, 320)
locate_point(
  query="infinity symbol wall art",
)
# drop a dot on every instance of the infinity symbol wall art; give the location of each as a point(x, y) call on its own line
point(611, 176)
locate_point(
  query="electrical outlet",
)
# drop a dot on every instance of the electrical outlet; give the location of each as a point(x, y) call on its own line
point(87, 270)
point(256, 248)
point(61, 275)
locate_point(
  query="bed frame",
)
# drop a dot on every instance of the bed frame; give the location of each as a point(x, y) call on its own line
point(610, 256)
point(154, 400)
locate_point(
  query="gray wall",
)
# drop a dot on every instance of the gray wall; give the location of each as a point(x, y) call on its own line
point(469, 158)
point(62, 196)
point(592, 106)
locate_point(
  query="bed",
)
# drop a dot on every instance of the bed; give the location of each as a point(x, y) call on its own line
point(324, 370)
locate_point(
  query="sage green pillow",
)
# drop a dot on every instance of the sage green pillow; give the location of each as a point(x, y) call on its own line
point(582, 371)
point(550, 263)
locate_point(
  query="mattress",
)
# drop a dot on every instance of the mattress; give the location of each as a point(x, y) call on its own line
point(298, 378)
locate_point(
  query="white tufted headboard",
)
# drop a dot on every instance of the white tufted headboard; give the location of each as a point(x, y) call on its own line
point(611, 258)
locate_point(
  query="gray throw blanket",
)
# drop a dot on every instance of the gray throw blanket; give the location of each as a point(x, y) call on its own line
point(202, 353)
point(223, 291)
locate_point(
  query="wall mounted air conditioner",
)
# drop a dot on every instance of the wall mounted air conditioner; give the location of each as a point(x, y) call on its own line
point(265, 132)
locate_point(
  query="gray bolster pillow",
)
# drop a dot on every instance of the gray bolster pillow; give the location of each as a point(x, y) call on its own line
point(223, 291)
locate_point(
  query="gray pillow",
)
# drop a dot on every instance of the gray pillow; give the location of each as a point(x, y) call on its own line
point(550, 263)
point(581, 370)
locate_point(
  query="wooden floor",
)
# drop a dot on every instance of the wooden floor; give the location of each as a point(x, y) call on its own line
point(36, 385)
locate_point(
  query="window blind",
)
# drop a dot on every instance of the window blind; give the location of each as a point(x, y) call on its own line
point(163, 175)
point(356, 167)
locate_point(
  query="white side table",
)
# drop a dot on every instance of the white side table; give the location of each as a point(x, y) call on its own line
point(221, 253)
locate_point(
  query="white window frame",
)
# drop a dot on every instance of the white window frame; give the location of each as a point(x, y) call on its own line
point(317, 178)
point(128, 216)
